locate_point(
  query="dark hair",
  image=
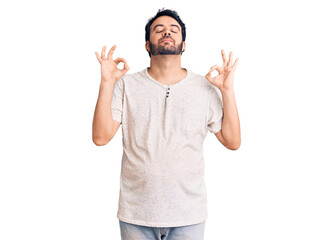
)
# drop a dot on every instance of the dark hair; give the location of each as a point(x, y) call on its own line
point(165, 12)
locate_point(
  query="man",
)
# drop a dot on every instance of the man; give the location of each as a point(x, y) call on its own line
point(165, 111)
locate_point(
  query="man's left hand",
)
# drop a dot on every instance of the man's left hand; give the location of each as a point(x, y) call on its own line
point(225, 79)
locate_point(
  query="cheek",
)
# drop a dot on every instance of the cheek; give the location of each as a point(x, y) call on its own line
point(179, 38)
point(154, 39)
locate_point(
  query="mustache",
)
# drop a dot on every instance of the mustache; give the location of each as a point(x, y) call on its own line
point(167, 38)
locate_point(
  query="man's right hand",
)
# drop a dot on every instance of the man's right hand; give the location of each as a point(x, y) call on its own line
point(109, 70)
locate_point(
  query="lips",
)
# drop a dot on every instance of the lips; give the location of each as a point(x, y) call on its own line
point(166, 40)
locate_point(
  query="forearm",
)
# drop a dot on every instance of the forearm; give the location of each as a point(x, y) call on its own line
point(230, 124)
point(103, 120)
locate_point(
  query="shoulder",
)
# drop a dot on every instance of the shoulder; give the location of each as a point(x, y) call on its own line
point(133, 77)
point(200, 80)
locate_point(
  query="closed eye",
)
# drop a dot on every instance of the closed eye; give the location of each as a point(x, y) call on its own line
point(162, 31)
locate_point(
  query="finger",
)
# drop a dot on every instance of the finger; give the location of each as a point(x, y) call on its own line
point(216, 67)
point(235, 64)
point(110, 54)
point(98, 57)
point(208, 75)
point(119, 60)
point(230, 59)
point(126, 68)
point(223, 57)
point(103, 53)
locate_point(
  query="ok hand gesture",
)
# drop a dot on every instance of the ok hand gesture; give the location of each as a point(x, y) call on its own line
point(225, 79)
point(109, 70)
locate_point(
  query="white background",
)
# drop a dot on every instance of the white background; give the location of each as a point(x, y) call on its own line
point(56, 184)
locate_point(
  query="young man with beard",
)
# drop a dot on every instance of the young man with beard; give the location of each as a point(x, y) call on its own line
point(165, 111)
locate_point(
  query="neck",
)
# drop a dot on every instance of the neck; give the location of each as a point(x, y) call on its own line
point(166, 68)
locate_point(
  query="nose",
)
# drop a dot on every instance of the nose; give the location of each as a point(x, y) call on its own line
point(166, 33)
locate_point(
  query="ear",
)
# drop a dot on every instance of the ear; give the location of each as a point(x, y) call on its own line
point(147, 46)
point(184, 46)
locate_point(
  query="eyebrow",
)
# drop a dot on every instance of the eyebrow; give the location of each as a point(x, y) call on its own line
point(161, 25)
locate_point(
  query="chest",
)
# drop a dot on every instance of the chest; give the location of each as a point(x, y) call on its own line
point(174, 109)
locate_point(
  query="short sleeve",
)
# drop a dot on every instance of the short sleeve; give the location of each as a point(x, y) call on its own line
point(215, 111)
point(117, 100)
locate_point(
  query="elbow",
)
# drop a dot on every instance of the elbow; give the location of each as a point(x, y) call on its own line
point(100, 141)
point(231, 142)
point(101, 138)
point(234, 146)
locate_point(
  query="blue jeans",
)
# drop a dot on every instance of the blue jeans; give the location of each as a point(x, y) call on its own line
point(131, 231)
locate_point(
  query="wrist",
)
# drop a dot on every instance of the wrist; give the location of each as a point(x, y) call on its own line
point(106, 86)
point(227, 90)
point(108, 81)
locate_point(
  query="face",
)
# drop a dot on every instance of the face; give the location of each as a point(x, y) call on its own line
point(165, 37)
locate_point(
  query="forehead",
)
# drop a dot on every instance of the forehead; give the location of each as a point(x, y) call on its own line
point(165, 20)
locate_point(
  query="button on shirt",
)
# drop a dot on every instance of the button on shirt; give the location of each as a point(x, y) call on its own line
point(163, 128)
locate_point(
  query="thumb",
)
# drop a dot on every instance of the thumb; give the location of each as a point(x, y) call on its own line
point(208, 76)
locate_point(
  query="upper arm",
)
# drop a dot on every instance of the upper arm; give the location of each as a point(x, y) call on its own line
point(117, 106)
point(215, 111)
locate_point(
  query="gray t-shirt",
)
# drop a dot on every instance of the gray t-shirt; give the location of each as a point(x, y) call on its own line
point(163, 129)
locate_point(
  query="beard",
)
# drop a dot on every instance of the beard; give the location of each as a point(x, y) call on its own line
point(165, 49)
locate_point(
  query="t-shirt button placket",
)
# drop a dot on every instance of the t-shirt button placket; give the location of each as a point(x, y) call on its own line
point(168, 93)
